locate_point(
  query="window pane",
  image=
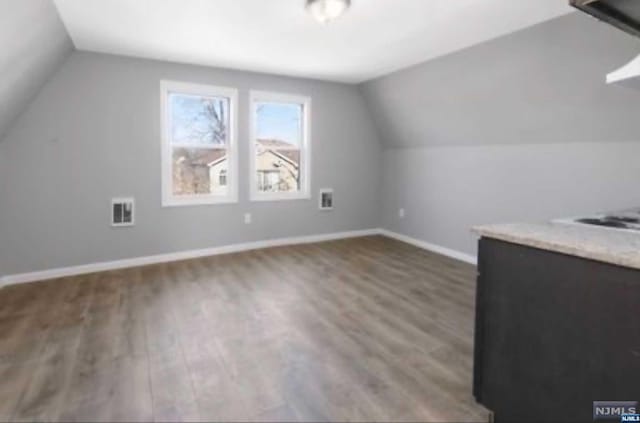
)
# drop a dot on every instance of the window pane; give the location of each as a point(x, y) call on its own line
point(199, 171)
point(199, 120)
point(281, 122)
point(278, 169)
point(279, 128)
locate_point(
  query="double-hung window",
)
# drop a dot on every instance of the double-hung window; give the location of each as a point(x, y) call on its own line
point(280, 146)
point(199, 144)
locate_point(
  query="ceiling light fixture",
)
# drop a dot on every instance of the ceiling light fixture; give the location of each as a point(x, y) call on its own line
point(327, 10)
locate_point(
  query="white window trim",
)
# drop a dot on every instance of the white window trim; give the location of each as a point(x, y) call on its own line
point(305, 153)
point(170, 200)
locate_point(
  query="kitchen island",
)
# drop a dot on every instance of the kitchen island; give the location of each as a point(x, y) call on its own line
point(557, 320)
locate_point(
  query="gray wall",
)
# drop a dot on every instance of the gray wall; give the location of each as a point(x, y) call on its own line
point(544, 84)
point(94, 133)
point(519, 128)
point(33, 44)
point(447, 190)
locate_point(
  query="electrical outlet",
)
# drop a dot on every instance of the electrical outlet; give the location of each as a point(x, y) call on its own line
point(247, 218)
point(401, 213)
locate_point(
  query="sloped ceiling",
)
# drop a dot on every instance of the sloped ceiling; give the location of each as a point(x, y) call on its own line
point(543, 84)
point(33, 44)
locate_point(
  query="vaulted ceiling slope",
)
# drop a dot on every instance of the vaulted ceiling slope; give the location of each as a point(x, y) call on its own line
point(33, 44)
point(544, 84)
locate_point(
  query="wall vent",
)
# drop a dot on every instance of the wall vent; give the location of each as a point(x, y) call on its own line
point(122, 212)
point(326, 199)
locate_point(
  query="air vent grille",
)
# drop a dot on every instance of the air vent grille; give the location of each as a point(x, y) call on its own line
point(326, 199)
point(122, 212)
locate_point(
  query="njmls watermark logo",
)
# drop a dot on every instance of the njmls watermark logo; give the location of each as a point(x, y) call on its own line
point(624, 411)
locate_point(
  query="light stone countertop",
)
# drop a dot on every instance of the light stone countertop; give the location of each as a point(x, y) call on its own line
point(611, 246)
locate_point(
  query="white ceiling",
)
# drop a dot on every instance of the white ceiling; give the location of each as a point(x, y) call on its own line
point(374, 38)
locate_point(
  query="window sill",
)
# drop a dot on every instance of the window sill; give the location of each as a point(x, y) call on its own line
point(207, 201)
point(280, 197)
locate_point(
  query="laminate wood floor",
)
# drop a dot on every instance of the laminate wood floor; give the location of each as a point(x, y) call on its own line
point(366, 329)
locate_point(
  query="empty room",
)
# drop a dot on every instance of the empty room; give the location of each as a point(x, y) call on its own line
point(319, 210)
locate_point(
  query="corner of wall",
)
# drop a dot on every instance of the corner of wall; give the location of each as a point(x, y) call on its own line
point(370, 112)
point(37, 66)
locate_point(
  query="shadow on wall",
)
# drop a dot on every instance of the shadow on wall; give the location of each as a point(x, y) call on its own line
point(30, 60)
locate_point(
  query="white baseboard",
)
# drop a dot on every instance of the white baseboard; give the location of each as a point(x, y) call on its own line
point(467, 258)
point(182, 255)
point(234, 248)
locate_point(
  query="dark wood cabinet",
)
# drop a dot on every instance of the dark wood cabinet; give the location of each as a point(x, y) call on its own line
point(553, 334)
